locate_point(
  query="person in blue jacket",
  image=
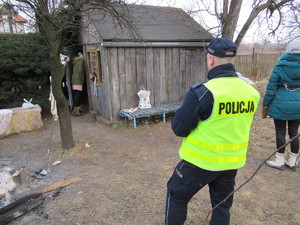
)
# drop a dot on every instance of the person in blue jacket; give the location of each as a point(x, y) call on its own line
point(282, 103)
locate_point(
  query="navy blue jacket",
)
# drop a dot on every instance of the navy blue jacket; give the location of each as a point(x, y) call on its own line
point(198, 102)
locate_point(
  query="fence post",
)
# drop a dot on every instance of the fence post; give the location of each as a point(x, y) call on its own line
point(254, 64)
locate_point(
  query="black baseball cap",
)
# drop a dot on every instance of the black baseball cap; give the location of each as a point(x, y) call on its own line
point(221, 47)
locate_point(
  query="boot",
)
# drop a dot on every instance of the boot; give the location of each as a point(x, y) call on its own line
point(81, 109)
point(76, 111)
point(278, 163)
point(292, 161)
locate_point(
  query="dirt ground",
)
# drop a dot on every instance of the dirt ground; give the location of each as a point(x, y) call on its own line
point(124, 174)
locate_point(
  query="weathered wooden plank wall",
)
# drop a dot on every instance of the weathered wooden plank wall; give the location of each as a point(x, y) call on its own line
point(157, 77)
point(168, 81)
point(122, 74)
point(141, 66)
point(131, 78)
point(150, 74)
point(114, 79)
point(167, 72)
point(182, 70)
point(175, 75)
point(104, 97)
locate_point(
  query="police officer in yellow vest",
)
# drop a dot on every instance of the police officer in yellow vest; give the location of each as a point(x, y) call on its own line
point(215, 120)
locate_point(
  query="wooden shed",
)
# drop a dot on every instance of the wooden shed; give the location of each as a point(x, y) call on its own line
point(165, 58)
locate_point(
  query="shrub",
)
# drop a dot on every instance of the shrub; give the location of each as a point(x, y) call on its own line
point(24, 70)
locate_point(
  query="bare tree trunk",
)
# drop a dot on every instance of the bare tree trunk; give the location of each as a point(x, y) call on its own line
point(57, 72)
point(224, 15)
point(230, 23)
point(54, 37)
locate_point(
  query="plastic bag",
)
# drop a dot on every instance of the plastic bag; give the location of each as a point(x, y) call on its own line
point(144, 99)
point(27, 104)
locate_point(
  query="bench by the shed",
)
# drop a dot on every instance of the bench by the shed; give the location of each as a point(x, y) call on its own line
point(155, 110)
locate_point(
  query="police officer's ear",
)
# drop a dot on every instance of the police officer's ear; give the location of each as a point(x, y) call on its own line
point(211, 61)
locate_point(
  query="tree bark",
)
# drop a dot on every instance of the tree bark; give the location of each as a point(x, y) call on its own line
point(229, 25)
point(223, 18)
point(54, 36)
point(57, 72)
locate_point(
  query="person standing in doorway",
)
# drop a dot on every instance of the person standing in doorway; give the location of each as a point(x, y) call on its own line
point(282, 103)
point(215, 120)
point(78, 80)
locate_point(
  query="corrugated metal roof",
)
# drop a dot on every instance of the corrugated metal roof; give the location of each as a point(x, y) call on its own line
point(153, 24)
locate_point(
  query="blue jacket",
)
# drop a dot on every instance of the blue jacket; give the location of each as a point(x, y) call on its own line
point(283, 90)
point(198, 102)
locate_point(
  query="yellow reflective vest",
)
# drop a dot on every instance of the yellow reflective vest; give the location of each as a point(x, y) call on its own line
point(221, 141)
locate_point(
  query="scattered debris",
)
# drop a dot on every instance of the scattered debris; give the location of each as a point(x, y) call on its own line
point(44, 172)
point(56, 163)
point(21, 203)
point(9, 180)
point(40, 173)
point(87, 145)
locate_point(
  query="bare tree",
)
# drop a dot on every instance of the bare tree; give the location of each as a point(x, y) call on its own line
point(221, 17)
point(291, 21)
point(55, 20)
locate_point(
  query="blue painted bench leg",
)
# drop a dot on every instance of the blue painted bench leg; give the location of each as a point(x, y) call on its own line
point(164, 117)
point(134, 123)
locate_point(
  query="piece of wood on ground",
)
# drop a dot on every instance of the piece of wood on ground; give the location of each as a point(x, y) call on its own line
point(33, 193)
point(19, 210)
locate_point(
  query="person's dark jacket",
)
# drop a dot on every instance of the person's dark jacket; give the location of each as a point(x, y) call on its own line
point(283, 90)
point(194, 108)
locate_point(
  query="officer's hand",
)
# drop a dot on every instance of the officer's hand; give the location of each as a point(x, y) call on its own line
point(264, 112)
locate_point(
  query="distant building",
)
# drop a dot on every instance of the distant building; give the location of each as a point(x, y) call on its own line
point(11, 21)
